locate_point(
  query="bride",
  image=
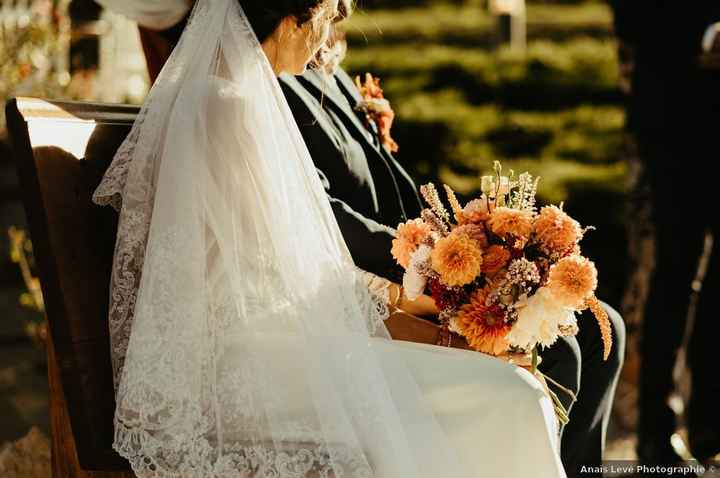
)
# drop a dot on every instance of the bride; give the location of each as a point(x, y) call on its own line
point(245, 343)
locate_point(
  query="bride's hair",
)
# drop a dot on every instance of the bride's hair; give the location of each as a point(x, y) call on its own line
point(265, 16)
point(329, 57)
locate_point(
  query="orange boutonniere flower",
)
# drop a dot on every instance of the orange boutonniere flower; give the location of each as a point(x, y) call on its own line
point(377, 109)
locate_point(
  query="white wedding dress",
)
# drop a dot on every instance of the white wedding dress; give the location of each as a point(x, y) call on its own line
point(245, 343)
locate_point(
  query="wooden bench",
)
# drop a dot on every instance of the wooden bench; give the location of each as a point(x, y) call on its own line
point(62, 150)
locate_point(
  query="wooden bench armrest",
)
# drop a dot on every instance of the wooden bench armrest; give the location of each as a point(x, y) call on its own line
point(412, 329)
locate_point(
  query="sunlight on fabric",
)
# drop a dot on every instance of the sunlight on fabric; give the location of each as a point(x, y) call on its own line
point(71, 136)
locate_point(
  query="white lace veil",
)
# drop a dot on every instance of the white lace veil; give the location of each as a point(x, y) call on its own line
point(244, 343)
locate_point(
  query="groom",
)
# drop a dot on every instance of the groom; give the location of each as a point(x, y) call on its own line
point(370, 191)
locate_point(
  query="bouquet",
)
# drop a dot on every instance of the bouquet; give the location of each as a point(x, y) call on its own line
point(506, 276)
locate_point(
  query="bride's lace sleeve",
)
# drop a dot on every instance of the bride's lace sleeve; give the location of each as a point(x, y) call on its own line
point(378, 290)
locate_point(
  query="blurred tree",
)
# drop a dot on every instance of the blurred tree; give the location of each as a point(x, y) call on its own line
point(21, 254)
point(33, 44)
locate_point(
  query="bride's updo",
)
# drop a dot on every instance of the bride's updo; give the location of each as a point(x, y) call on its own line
point(265, 16)
point(291, 31)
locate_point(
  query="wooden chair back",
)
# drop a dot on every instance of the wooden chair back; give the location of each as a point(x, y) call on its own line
point(62, 150)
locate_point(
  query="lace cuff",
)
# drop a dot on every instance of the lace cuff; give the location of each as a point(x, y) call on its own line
point(378, 290)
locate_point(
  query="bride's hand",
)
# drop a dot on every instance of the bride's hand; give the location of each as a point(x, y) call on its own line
point(423, 306)
point(412, 329)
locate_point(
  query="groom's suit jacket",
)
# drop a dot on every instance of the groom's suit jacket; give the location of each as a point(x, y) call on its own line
point(367, 187)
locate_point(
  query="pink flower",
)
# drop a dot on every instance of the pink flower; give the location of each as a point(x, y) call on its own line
point(476, 232)
point(476, 211)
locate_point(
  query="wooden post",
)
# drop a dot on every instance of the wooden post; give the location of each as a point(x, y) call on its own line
point(65, 462)
point(512, 22)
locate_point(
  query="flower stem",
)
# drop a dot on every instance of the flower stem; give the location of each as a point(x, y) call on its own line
point(564, 389)
point(560, 411)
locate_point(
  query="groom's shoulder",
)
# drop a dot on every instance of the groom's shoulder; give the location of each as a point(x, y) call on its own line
point(342, 75)
point(316, 83)
point(295, 92)
point(289, 84)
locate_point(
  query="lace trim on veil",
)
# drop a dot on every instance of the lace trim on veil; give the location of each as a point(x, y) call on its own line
point(296, 450)
point(288, 460)
point(132, 234)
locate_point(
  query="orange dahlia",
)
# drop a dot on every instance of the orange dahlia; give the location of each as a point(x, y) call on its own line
point(556, 232)
point(506, 221)
point(494, 258)
point(409, 236)
point(572, 280)
point(457, 259)
point(482, 325)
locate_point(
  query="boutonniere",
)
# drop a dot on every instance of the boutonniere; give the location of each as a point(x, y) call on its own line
point(376, 109)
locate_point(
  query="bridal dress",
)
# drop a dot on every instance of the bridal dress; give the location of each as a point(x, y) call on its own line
point(245, 343)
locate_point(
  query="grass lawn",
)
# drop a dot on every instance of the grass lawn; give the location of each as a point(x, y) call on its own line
point(462, 103)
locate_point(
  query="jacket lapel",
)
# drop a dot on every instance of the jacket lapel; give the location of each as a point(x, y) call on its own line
point(322, 120)
point(404, 179)
point(360, 169)
point(338, 100)
point(342, 100)
point(346, 83)
point(350, 89)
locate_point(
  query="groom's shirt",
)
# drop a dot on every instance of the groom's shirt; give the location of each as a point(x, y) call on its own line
point(368, 189)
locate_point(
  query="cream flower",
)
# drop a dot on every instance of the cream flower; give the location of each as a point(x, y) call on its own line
point(413, 281)
point(569, 326)
point(476, 211)
point(539, 321)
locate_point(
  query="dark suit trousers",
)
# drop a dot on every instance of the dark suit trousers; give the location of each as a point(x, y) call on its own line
point(577, 363)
